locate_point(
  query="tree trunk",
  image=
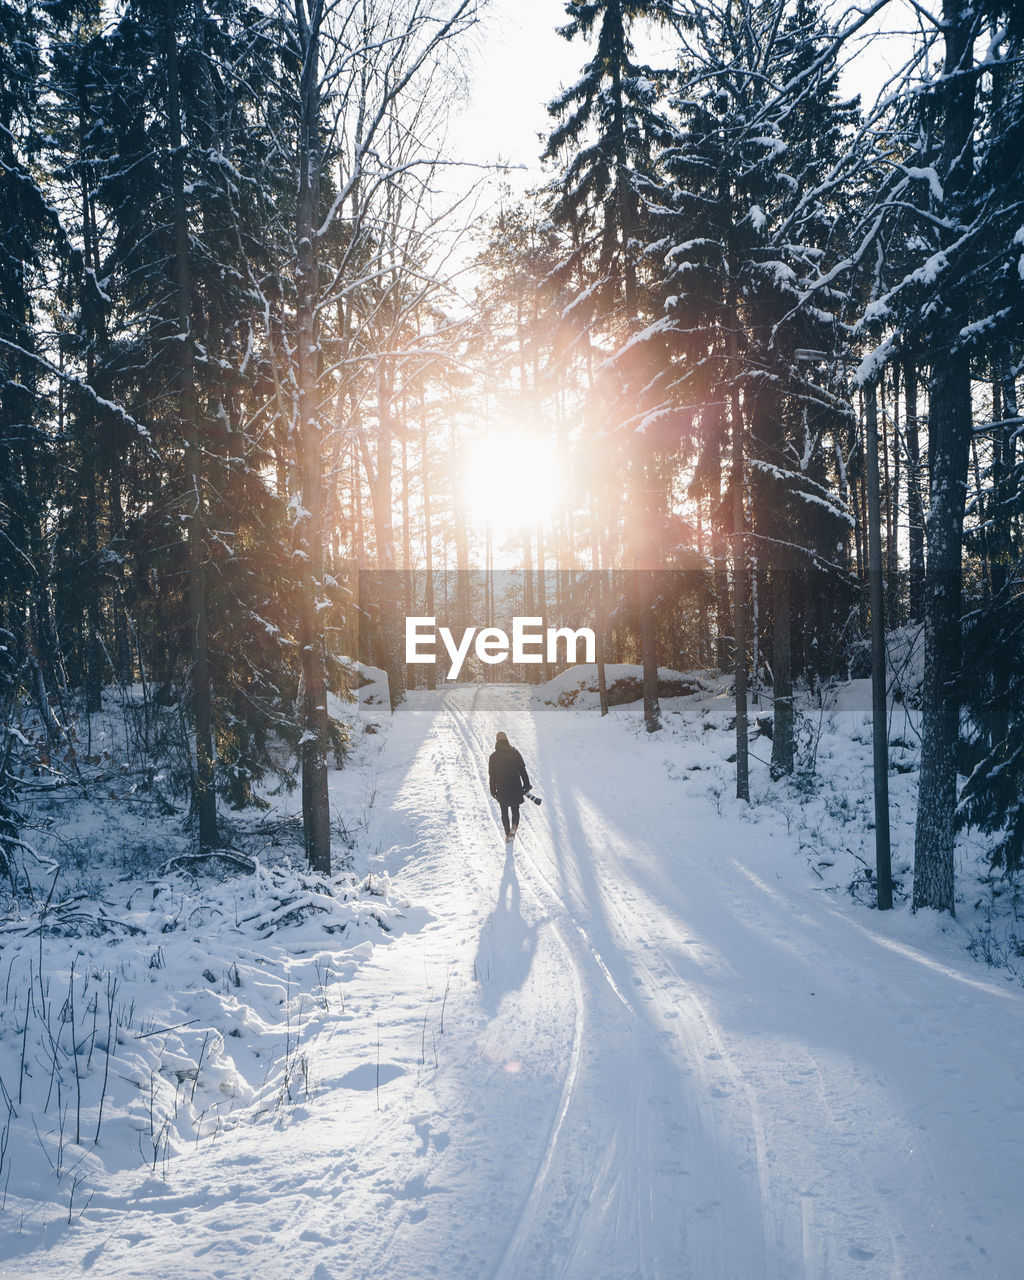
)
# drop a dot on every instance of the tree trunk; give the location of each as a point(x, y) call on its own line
point(544, 671)
point(202, 701)
point(93, 617)
point(463, 608)
point(406, 545)
point(316, 828)
point(392, 656)
point(93, 322)
point(915, 503)
point(406, 521)
point(1004, 469)
point(949, 423)
point(949, 435)
point(741, 607)
point(718, 518)
point(600, 620)
point(879, 717)
point(649, 651)
point(891, 497)
point(645, 585)
point(115, 505)
point(529, 603)
point(783, 733)
point(428, 530)
point(740, 612)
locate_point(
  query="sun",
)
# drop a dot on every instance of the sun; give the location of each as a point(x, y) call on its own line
point(511, 483)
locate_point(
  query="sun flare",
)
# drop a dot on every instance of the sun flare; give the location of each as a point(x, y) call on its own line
point(511, 483)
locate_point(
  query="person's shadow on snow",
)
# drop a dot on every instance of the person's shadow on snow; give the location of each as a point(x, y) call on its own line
point(507, 942)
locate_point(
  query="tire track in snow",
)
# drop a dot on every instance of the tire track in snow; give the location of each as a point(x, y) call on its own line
point(719, 1230)
point(692, 1033)
point(510, 1266)
point(795, 1242)
point(620, 1163)
point(449, 762)
point(623, 1189)
point(737, 1177)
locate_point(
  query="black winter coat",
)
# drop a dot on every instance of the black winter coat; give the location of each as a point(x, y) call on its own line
point(509, 779)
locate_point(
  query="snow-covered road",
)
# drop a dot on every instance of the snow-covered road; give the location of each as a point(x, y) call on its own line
point(643, 1046)
point(759, 1084)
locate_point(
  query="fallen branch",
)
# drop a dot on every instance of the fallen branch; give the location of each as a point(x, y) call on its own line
point(240, 861)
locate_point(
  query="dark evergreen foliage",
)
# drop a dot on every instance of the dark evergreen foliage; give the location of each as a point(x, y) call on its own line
point(992, 798)
point(232, 377)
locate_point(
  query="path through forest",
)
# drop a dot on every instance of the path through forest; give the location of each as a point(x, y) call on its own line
point(758, 1083)
point(641, 1046)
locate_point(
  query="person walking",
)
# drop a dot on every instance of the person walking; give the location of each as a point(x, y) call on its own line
point(509, 782)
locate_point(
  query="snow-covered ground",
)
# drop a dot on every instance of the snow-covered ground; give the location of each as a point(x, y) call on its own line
point(665, 1037)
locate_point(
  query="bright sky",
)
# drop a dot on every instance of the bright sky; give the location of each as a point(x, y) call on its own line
point(511, 483)
point(519, 65)
point(515, 65)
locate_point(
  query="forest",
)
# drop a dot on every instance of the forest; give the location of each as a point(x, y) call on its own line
point(737, 384)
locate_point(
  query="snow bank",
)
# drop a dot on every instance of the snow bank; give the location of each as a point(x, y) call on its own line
point(904, 663)
point(155, 998)
point(369, 684)
point(654, 966)
point(151, 1016)
point(577, 686)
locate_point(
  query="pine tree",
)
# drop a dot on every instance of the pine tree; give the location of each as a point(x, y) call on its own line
point(991, 686)
point(797, 520)
point(747, 227)
point(33, 243)
point(168, 484)
point(972, 196)
point(610, 123)
point(939, 225)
